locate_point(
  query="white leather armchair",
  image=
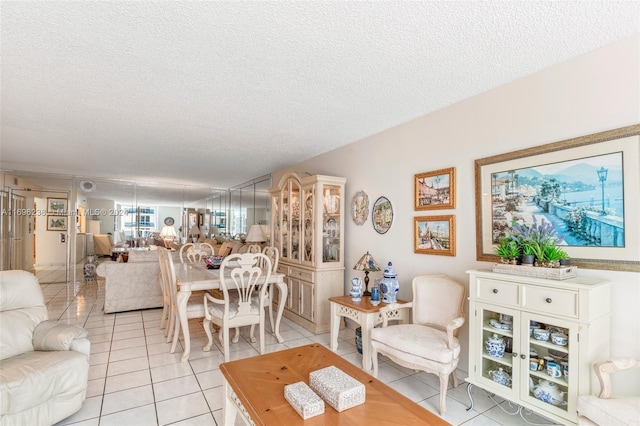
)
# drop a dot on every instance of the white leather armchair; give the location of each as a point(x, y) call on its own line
point(605, 409)
point(44, 365)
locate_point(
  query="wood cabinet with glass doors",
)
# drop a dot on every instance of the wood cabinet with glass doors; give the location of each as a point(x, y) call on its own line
point(307, 216)
point(509, 308)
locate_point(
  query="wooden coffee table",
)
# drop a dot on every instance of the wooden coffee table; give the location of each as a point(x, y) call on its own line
point(254, 388)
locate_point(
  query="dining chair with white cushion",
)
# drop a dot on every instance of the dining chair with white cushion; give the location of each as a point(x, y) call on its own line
point(429, 343)
point(241, 277)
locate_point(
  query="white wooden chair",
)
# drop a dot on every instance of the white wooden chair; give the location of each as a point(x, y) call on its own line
point(195, 306)
point(195, 252)
point(240, 273)
point(606, 409)
point(429, 343)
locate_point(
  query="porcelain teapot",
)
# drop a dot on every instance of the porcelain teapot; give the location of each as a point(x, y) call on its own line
point(500, 376)
point(548, 392)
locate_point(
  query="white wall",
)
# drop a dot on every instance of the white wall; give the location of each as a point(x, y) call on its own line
point(595, 92)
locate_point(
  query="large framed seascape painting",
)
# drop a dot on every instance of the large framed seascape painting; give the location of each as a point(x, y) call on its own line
point(586, 188)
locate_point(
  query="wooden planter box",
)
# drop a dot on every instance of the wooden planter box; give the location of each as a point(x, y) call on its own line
point(561, 273)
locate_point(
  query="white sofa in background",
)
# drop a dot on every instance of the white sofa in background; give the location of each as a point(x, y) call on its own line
point(44, 365)
point(131, 286)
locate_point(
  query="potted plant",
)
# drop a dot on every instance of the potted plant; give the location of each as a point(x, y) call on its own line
point(528, 252)
point(553, 254)
point(508, 251)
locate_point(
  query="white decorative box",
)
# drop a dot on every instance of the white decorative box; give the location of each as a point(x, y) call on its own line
point(303, 400)
point(562, 273)
point(337, 388)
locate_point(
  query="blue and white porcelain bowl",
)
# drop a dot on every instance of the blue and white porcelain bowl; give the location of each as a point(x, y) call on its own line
point(560, 339)
point(541, 334)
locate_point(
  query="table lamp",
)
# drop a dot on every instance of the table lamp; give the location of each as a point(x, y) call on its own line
point(366, 264)
point(255, 235)
point(168, 234)
point(195, 233)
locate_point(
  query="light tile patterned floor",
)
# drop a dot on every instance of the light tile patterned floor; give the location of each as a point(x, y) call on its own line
point(134, 380)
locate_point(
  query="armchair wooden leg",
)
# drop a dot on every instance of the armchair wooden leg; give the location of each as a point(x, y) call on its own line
point(444, 384)
point(207, 329)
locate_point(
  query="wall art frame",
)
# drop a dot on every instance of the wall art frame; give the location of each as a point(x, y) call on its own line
point(360, 207)
point(382, 215)
point(57, 222)
point(434, 235)
point(57, 206)
point(435, 189)
point(595, 235)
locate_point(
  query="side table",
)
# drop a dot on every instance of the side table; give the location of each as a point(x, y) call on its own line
point(366, 315)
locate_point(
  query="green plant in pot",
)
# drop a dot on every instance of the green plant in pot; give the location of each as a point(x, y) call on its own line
point(528, 252)
point(553, 254)
point(508, 251)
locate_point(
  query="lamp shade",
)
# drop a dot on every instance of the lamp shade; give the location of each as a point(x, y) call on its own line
point(195, 230)
point(168, 232)
point(214, 230)
point(256, 234)
point(367, 264)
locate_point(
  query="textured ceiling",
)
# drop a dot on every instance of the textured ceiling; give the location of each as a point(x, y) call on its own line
point(217, 93)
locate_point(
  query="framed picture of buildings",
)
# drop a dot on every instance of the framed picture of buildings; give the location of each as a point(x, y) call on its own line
point(57, 223)
point(435, 235)
point(586, 188)
point(435, 190)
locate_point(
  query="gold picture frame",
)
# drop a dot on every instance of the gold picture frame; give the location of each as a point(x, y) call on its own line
point(435, 235)
point(57, 206)
point(551, 178)
point(435, 190)
point(57, 223)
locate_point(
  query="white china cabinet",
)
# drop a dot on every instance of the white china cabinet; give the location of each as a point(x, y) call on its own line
point(307, 214)
point(508, 308)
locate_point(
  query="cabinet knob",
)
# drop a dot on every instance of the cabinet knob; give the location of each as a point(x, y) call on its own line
point(523, 356)
point(495, 291)
point(548, 300)
point(514, 354)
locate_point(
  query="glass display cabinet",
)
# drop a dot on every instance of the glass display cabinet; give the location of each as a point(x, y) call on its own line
point(307, 216)
point(533, 341)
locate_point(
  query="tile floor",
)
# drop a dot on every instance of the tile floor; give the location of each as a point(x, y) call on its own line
point(134, 380)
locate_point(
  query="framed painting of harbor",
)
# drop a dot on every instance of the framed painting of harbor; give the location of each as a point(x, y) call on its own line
point(435, 235)
point(586, 188)
point(435, 190)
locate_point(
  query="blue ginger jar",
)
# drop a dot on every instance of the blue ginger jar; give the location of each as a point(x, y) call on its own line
point(389, 285)
point(356, 289)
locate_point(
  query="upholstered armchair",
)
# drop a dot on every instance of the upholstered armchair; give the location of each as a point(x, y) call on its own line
point(430, 342)
point(44, 365)
point(606, 409)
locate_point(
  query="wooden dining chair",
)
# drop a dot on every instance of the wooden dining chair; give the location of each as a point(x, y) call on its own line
point(195, 305)
point(241, 278)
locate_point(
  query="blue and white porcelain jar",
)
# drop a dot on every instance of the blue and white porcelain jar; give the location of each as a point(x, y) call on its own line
point(495, 346)
point(356, 289)
point(389, 285)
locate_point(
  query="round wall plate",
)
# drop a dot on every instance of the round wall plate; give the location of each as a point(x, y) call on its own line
point(360, 207)
point(382, 215)
point(168, 221)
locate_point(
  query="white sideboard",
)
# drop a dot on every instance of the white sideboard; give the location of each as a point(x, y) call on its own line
point(578, 306)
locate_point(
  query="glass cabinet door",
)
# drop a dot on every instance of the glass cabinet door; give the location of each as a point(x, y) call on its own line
point(307, 226)
point(276, 223)
point(285, 224)
point(498, 362)
point(295, 221)
point(331, 222)
point(549, 342)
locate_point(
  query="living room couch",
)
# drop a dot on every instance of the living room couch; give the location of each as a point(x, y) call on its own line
point(44, 365)
point(131, 285)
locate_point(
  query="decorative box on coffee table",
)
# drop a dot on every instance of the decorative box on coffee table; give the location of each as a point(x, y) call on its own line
point(304, 400)
point(337, 388)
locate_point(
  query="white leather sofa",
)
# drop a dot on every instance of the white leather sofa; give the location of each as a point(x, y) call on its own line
point(44, 365)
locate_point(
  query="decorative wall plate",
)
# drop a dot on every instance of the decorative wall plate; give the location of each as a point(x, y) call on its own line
point(168, 221)
point(382, 215)
point(360, 207)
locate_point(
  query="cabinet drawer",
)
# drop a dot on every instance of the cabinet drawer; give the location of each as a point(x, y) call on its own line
point(495, 291)
point(301, 274)
point(551, 300)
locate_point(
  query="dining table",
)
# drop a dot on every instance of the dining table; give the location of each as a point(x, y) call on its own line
point(192, 277)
